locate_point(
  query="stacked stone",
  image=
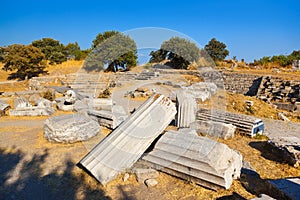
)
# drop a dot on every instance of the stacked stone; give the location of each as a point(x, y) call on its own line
point(241, 83)
point(278, 90)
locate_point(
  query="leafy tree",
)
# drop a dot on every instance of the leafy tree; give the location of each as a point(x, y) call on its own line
point(27, 60)
point(158, 56)
point(103, 36)
point(72, 50)
point(2, 53)
point(179, 51)
point(115, 52)
point(52, 49)
point(216, 49)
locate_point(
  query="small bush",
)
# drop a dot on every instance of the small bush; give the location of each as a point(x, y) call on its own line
point(50, 95)
point(105, 94)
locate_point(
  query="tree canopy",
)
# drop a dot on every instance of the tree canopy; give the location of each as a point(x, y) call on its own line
point(281, 60)
point(26, 60)
point(179, 51)
point(52, 49)
point(216, 49)
point(113, 51)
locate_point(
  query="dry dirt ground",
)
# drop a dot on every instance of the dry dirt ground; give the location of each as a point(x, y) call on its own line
point(33, 168)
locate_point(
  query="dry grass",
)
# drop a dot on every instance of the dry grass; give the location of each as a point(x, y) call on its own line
point(267, 168)
point(71, 66)
point(14, 86)
point(284, 73)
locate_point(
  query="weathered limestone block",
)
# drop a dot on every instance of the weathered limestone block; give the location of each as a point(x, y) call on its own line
point(3, 107)
point(195, 158)
point(110, 119)
point(215, 129)
point(143, 174)
point(21, 102)
point(70, 128)
point(289, 147)
point(24, 108)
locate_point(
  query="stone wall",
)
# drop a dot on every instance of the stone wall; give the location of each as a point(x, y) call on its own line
point(241, 83)
point(278, 90)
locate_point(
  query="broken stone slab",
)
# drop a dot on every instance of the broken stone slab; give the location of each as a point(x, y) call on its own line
point(151, 182)
point(32, 111)
point(286, 188)
point(201, 91)
point(263, 197)
point(109, 119)
point(283, 117)
point(199, 159)
point(142, 174)
point(93, 104)
point(42, 102)
point(126, 177)
point(21, 102)
point(3, 107)
point(126, 144)
point(186, 109)
point(288, 147)
point(215, 129)
point(64, 107)
point(70, 128)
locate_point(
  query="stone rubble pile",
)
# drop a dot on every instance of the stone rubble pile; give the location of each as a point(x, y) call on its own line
point(22, 107)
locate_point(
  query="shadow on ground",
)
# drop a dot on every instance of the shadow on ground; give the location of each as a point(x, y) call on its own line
point(268, 152)
point(21, 178)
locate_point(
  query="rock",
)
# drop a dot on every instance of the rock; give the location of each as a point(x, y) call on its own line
point(288, 147)
point(142, 174)
point(126, 177)
point(70, 97)
point(42, 102)
point(284, 118)
point(70, 128)
point(151, 182)
point(142, 89)
point(249, 103)
point(194, 158)
point(286, 188)
point(21, 103)
point(215, 129)
point(64, 107)
point(34, 97)
point(263, 197)
point(3, 107)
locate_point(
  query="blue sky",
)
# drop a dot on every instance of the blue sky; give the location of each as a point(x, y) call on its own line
point(250, 29)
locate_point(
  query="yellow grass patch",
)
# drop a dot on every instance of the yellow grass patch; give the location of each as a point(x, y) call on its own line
point(68, 67)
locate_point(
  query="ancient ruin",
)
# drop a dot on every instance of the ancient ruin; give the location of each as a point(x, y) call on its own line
point(186, 155)
point(126, 144)
point(70, 128)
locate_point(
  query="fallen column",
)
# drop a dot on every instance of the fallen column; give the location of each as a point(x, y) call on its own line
point(125, 145)
point(186, 155)
point(245, 124)
point(186, 109)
